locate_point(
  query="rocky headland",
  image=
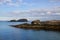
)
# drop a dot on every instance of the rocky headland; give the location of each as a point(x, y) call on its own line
point(41, 25)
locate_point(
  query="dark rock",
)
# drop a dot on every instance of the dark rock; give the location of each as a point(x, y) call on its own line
point(36, 22)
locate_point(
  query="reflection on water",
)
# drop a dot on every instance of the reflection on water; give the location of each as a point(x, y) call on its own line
point(12, 33)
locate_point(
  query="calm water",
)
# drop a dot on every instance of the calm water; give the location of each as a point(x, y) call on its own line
point(11, 33)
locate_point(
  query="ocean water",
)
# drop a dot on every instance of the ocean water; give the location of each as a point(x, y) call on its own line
point(11, 33)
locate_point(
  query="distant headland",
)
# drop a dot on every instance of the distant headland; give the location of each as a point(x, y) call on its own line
point(41, 25)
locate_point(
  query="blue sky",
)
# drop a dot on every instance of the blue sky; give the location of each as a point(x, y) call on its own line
point(30, 9)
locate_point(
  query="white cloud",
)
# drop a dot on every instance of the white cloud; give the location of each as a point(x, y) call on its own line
point(33, 14)
point(36, 12)
point(57, 13)
point(11, 2)
point(15, 12)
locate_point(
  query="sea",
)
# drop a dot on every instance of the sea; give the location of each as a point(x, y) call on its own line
point(11, 33)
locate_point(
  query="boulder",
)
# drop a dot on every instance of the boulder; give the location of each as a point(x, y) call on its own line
point(36, 22)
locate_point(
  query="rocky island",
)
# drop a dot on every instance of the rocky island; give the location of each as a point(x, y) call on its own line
point(12, 21)
point(19, 20)
point(41, 25)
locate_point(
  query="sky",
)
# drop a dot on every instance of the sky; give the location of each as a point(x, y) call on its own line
point(30, 9)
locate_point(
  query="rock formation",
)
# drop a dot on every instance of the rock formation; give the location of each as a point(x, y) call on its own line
point(37, 24)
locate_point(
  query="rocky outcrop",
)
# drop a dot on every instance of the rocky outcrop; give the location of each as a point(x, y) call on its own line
point(53, 22)
point(37, 24)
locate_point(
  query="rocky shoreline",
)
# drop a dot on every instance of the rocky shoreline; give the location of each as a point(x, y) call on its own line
point(38, 25)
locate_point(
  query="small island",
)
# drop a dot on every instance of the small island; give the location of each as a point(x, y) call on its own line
point(19, 20)
point(41, 25)
point(12, 21)
point(22, 20)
